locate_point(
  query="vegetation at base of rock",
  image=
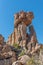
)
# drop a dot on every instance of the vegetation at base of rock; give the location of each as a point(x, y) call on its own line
point(16, 45)
point(32, 62)
point(22, 53)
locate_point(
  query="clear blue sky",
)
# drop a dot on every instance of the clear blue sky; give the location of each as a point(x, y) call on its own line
point(9, 7)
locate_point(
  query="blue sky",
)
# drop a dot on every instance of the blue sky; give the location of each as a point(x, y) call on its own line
point(9, 7)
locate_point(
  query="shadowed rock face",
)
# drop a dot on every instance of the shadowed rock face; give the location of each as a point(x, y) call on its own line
point(25, 17)
point(1, 39)
point(33, 34)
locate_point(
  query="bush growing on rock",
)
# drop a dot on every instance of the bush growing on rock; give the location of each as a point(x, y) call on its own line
point(32, 62)
point(16, 45)
point(22, 53)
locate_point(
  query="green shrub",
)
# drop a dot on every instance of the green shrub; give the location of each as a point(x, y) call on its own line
point(32, 62)
point(22, 53)
point(16, 45)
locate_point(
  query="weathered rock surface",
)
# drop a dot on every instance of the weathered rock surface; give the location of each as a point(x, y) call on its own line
point(26, 40)
point(17, 63)
point(24, 59)
point(20, 35)
point(7, 56)
point(23, 16)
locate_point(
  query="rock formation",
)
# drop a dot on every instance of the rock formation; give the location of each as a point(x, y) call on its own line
point(26, 41)
point(20, 35)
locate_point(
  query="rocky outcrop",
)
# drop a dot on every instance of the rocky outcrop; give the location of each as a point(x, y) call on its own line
point(20, 35)
point(27, 41)
point(7, 56)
